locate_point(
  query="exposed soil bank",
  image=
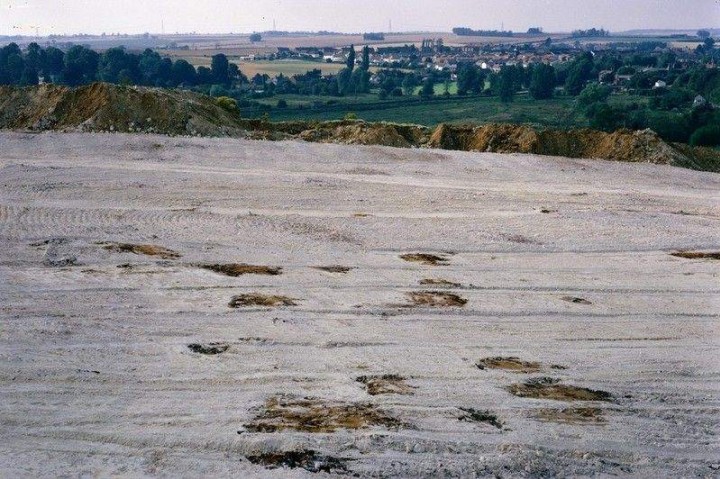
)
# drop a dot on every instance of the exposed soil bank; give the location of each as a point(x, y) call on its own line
point(104, 107)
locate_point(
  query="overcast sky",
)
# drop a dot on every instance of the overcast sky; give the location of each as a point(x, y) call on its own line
point(220, 16)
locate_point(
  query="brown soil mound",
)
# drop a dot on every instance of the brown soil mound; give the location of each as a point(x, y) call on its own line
point(317, 416)
point(425, 258)
point(549, 388)
point(239, 269)
point(512, 364)
point(256, 299)
point(105, 107)
point(385, 384)
point(696, 255)
point(305, 459)
point(622, 145)
point(436, 299)
point(144, 249)
point(361, 133)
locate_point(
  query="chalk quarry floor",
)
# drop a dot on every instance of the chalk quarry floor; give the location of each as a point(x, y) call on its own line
point(126, 360)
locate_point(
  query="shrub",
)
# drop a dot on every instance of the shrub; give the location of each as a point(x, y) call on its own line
point(708, 135)
point(227, 103)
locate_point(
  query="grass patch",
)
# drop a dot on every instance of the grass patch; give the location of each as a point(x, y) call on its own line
point(697, 255)
point(142, 249)
point(425, 258)
point(317, 416)
point(475, 415)
point(436, 299)
point(257, 299)
point(550, 388)
point(512, 364)
point(239, 269)
point(385, 384)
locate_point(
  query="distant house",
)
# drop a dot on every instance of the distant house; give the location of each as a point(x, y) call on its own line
point(606, 76)
point(660, 84)
point(699, 101)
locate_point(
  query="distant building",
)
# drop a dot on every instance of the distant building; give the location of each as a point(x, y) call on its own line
point(660, 84)
point(699, 101)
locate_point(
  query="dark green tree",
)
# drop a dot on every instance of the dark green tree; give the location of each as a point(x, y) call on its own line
point(35, 57)
point(117, 60)
point(470, 79)
point(593, 94)
point(344, 82)
point(183, 73)
point(54, 62)
point(409, 83)
point(351, 58)
point(204, 76)
point(506, 84)
point(428, 87)
point(29, 76)
point(542, 84)
point(579, 73)
point(366, 58)
point(81, 66)
point(11, 64)
point(219, 68)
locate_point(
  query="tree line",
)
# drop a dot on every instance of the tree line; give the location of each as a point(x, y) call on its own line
point(80, 65)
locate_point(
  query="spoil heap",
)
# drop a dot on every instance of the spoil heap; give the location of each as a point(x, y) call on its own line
point(104, 107)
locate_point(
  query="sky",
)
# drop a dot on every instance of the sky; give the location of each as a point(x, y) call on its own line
point(240, 16)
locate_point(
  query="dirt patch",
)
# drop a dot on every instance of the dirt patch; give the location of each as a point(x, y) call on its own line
point(257, 299)
point(436, 299)
point(512, 364)
point(550, 388)
point(335, 269)
point(425, 258)
point(142, 249)
point(385, 384)
point(697, 255)
point(317, 416)
point(576, 300)
point(239, 269)
point(475, 415)
point(306, 459)
point(576, 415)
point(439, 282)
point(209, 349)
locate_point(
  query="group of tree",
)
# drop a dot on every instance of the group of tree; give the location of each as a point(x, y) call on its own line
point(373, 37)
point(80, 65)
point(674, 112)
point(591, 33)
point(469, 32)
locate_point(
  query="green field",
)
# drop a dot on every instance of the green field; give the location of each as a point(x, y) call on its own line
point(558, 112)
point(287, 67)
